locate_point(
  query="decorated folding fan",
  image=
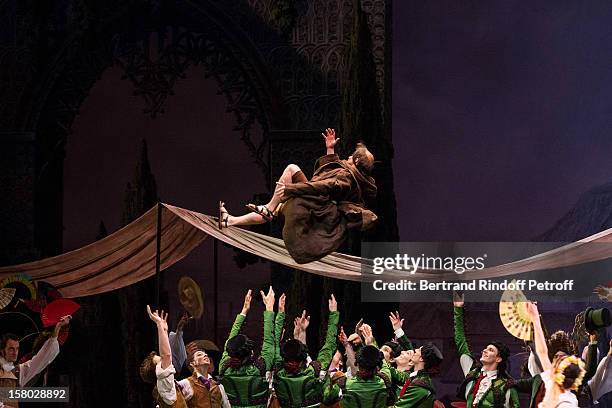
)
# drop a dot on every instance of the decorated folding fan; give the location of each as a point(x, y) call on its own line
point(513, 314)
point(57, 309)
point(6, 295)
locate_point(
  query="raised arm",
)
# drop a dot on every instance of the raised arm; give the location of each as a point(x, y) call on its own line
point(161, 321)
point(267, 350)
point(279, 321)
point(591, 357)
point(350, 353)
point(165, 370)
point(237, 325)
point(330, 140)
point(397, 323)
point(539, 339)
point(368, 335)
point(45, 355)
point(177, 344)
point(463, 349)
point(460, 339)
point(326, 352)
point(300, 324)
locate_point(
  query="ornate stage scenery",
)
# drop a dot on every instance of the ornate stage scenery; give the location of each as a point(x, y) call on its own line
point(133, 133)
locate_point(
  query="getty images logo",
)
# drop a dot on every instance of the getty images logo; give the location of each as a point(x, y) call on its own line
point(411, 264)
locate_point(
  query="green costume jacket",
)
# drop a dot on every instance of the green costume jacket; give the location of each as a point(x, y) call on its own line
point(246, 386)
point(405, 344)
point(420, 392)
point(500, 394)
point(356, 392)
point(305, 389)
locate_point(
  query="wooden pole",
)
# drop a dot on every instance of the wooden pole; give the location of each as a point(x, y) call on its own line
point(216, 287)
point(158, 254)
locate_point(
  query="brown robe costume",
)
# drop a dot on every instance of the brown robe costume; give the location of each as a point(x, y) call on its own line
point(319, 212)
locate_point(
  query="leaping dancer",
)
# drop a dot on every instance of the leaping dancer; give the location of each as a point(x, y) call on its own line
point(318, 213)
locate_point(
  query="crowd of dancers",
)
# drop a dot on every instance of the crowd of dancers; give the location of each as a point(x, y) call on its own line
point(356, 371)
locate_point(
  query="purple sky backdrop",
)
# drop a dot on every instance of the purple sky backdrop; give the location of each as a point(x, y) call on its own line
point(501, 115)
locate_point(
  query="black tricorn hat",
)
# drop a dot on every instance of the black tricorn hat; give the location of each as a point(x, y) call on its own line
point(432, 356)
point(595, 319)
point(369, 357)
point(239, 346)
point(294, 350)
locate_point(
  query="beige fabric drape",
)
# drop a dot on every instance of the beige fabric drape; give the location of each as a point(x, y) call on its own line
point(128, 255)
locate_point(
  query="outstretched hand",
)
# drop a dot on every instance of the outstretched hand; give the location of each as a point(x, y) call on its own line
point(281, 303)
point(366, 332)
point(342, 337)
point(396, 320)
point(185, 318)
point(302, 322)
point(268, 299)
point(160, 318)
point(330, 138)
point(603, 293)
point(333, 305)
point(64, 321)
point(246, 306)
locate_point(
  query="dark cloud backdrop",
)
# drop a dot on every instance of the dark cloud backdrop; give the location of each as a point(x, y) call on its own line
point(501, 114)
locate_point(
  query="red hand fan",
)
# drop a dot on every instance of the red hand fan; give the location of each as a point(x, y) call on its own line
point(54, 311)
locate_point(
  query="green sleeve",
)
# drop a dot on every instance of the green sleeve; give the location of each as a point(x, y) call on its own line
point(591, 363)
point(405, 343)
point(233, 333)
point(326, 352)
point(460, 340)
point(514, 399)
point(278, 330)
point(267, 350)
point(397, 377)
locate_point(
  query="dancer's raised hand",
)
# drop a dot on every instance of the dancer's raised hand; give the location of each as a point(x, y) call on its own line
point(330, 138)
point(268, 299)
point(246, 306)
point(396, 320)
